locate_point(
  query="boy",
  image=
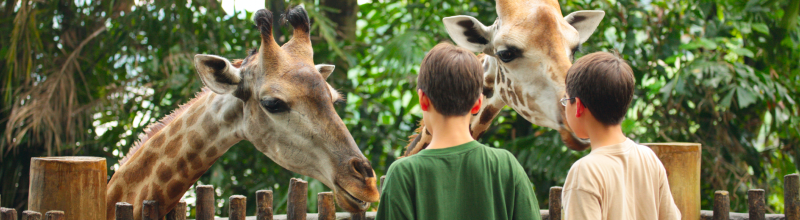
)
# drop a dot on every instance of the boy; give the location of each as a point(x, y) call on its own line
point(455, 177)
point(619, 179)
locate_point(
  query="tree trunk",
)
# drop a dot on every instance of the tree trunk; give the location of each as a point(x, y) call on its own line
point(345, 17)
point(75, 185)
point(277, 7)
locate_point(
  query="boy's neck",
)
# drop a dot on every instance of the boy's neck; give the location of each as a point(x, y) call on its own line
point(449, 131)
point(601, 135)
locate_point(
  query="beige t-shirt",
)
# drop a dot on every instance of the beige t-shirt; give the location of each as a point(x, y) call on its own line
point(621, 181)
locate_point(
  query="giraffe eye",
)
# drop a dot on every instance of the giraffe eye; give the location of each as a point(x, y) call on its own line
point(274, 105)
point(509, 54)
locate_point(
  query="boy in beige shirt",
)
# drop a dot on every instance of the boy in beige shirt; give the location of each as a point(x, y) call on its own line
point(619, 179)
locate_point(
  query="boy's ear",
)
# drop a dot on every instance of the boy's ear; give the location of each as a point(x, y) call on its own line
point(468, 32)
point(477, 107)
point(585, 22)
point(579, 108)
point(217, 73)
point(424, 102)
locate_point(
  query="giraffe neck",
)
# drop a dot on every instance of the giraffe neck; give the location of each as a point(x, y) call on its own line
point(174, 157)
point(492, 92)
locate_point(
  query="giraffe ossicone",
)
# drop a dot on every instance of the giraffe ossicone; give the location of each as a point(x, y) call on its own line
point(275, 98)
point(526, 55)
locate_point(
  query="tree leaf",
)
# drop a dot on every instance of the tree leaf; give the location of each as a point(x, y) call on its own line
point(745, 97)
point(744, 52)
point(726, 101)
point(761, 27)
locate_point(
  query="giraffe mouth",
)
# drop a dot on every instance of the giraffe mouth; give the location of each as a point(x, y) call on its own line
point(351, 201)
point(573, 141)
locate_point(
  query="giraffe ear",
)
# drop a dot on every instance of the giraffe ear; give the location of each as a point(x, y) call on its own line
point(585, 22)
point(325, 70)
point(468, 32)
point(217, 73)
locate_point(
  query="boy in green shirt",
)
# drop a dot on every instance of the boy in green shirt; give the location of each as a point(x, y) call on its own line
point(455, 177)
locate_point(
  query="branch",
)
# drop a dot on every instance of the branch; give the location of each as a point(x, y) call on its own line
point(78, 49)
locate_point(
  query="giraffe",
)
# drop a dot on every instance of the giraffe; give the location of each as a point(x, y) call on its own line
point(277, 99)
point(525, 55)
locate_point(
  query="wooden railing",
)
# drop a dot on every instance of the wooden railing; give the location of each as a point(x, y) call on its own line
point(298, 194)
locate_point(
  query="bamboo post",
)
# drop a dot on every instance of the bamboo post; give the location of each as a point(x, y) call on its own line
point(358, 216)
point(8, 214)
point(55, 215)
point(298, 196)
point(326, 208)
point(264, 205)
point(149, 210)
point(179, 212)
point(682, 162)
point(205, 202)
point(74, 185)
point(791, 196)
point(31, 215)
point(555, 203)
point(755, 203)
point(237, 207)
point(722, 205)
point(124, 211)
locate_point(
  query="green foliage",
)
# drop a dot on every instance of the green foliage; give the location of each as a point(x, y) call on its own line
point(86, 77)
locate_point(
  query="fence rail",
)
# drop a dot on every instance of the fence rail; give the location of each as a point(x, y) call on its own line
point(298, 195)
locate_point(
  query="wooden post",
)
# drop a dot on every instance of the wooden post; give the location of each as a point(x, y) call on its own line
point(555, 203)
point(31, 215)
point(722, 205)
point(8, 214)
point(237, 208)
point(791, 196)
point(682, 162)
point(55, 215)
point(358, 216)
point(149, 210)
point(179, 212)
point(298, 200)
point(325, 206)
point(380, 187)
point(205, 202)
point(755, 203)
point(264, 205)
point(74, 185)
point(124, 211)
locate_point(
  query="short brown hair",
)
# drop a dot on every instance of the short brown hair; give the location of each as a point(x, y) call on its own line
point(452, 78)
point(604, 83)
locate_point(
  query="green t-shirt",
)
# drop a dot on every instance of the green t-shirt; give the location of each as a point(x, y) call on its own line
point(468, 181)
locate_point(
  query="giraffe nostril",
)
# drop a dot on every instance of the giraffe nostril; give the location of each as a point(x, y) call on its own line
point(362, 167)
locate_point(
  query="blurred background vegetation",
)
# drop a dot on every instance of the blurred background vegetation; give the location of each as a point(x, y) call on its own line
point(86, 77)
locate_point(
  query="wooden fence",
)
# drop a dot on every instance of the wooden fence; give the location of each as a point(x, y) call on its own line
point(298, 194)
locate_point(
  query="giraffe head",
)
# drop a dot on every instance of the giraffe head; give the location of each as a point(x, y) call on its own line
point(530, 48)
point(288, 110)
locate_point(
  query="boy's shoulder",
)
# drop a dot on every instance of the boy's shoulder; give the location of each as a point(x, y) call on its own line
point(403, 163)
point(497, 151)
point(589, 166)
point(495, 154)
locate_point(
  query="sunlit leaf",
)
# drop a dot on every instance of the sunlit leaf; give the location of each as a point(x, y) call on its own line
point(744, 52)
point(760, 27)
